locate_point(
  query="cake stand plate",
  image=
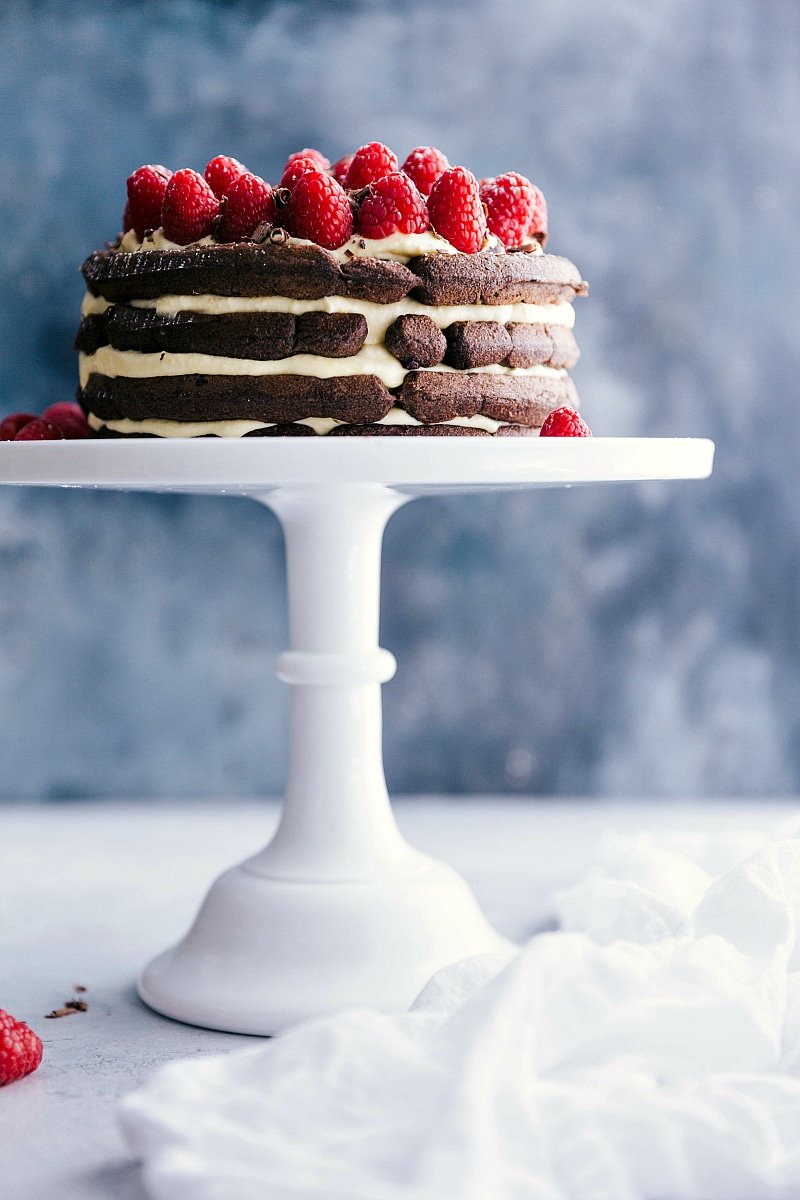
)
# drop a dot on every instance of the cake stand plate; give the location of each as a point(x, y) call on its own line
point(338, 909)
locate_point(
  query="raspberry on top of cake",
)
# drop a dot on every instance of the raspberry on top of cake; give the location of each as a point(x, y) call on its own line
point(367, 297)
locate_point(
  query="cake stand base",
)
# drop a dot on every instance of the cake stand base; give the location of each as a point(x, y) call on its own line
point(338, 910)
point(264, 953)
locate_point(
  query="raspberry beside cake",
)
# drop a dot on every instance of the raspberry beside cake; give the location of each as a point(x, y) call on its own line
point(392, 302)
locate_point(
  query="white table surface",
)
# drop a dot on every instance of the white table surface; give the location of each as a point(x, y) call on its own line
point(73, 911)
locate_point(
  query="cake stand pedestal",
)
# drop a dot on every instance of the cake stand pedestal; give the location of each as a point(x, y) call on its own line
point(338, 910)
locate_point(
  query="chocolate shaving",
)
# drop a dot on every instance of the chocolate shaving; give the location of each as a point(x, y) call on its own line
point(216, 223)
point(282, 197)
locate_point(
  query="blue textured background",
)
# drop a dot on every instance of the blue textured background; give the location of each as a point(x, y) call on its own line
point(635, 640)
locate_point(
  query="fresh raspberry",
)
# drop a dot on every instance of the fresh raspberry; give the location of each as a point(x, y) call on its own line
point(248, 204)
point(424, 165)
point(393, 206)
point(370, 163)
point(322, 163)
point(297, 165)
point(538, 226)
point(189, 208)
point(339, 169)
point(20, 1049)
point(320, 209)
point(221, 172)
point(456, 210)
point(39, 430)
point(515, 208)
point(69, 419)
point(146, 187)
point(564, 422)
point(11, 425)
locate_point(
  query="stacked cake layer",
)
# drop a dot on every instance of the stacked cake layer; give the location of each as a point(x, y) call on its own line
point(402, 335)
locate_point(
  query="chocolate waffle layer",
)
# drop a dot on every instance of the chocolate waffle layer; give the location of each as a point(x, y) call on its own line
point(274, 269)
point(473, 344)
point(309, 273)
point(414, 340)
point(258, 336)
point(268, 431)
point(278, 398)
point(360, 431)
point(417, 341)
point(429, 396)
point(430, 431)
point(433, 396)
point(513, 278)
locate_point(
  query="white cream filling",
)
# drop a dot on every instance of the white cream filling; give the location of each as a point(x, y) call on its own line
point(399, 416)
point(398, 247)
point(190, 429)
point(370, 360)
point(167, 429)
point(129, 243)
point(378, 316)
point(233, 429)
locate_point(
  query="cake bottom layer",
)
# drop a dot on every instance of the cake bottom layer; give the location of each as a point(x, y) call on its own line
point(428, 396)
point(347, 430)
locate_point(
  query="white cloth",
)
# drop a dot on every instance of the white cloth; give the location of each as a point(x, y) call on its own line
point(649, 1050)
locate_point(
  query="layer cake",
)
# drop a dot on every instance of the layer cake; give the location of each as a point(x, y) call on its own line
point(274, 334)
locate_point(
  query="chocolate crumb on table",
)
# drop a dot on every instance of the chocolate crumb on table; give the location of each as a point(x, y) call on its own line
point(70, 1007)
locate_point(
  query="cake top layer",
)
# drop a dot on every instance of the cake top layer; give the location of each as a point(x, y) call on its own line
point(364, 228)
point(281, 267)
point(366, 197)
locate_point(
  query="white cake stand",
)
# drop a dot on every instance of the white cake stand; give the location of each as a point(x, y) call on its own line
point(338, 910)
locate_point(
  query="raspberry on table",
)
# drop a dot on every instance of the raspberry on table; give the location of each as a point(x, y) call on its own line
point(370, 163)
point(456, 210)
point(11, 425)
point(39, 430)
point(424, 165)
point(20, 1049)
point(146, 187)
point(69, 419)
point(516, 210)
point(393, 205)
point(189, 208)
point(248, 203)
point(221, 172)
point(319, 209)
point(340, 168)
point(323, 164)
point(564, 422)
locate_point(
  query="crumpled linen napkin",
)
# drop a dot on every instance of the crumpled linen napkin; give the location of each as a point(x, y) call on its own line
point(648, 1050)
